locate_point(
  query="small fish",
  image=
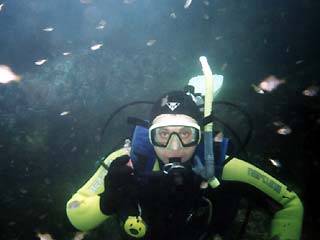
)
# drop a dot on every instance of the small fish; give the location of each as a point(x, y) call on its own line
point(66, 53)
point(270, 83)
point(48, 29)
point(207, 3)
point(257, 89)
point(40, 62)
point(86, 1)
point(151, 42)
point(217, 237)
point(187, 4)
point(7, 75)
point(64, 113)
point(102, 22)
point(285, 130)
point(79, 235)
point(173, 15)
point(44, 236)
point(311, 91)
point(288, 49)
point(96, 46)
point(275, 162)
point(206, 16)
point(128, 1)
point(1, 6)
point(299, 61)
point(278, 123)
point(23, 191)
point(224, 66)
point(100, 27)
point(43, 216)
point(218, 38)
point(12, 223)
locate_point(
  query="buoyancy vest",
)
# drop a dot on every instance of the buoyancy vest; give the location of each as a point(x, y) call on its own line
point(142, 150)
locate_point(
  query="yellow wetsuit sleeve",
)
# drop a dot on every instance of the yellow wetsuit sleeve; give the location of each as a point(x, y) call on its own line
point(83, 209)
point(287, 222)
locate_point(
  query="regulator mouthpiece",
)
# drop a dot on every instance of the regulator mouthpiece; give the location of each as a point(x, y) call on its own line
point(174, 164)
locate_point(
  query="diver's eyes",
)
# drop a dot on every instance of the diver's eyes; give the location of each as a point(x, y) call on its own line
point(185, 133)
point(163, 133)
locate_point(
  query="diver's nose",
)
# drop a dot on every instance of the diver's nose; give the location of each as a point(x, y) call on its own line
point(174, 143)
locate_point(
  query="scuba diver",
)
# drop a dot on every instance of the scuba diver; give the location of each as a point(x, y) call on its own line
point(157, 184)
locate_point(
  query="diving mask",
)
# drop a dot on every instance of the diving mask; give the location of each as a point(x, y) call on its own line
point(162, 135)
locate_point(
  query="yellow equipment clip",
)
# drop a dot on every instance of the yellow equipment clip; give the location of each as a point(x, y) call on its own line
point(135, 227)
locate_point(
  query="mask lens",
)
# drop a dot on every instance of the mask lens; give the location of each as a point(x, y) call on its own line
point(187, 135)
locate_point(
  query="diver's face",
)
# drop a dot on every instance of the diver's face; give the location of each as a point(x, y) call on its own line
point(176, 137)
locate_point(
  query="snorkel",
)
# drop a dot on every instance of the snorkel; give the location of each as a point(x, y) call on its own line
point(208, 141)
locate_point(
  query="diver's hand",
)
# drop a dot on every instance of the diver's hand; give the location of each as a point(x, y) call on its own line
point(119, 185)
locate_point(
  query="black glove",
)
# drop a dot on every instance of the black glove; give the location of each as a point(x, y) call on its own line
point(120, 189)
